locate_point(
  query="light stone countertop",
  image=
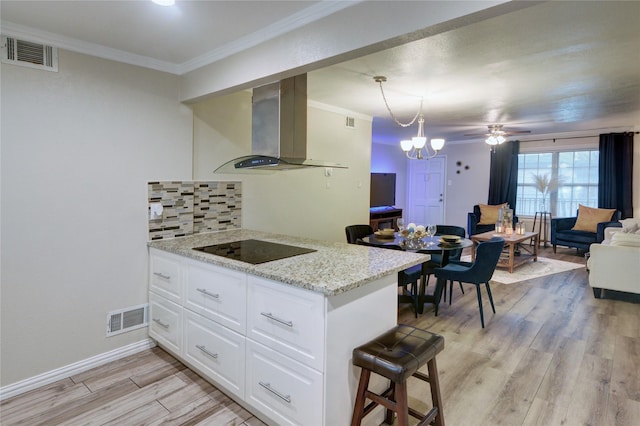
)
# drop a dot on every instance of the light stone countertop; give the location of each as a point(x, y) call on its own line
point(333, 269)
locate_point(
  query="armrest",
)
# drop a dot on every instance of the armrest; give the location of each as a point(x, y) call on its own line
point(472, 221)
point(602, 226)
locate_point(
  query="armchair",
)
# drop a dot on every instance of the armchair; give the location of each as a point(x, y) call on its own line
point(563, 234)
point(474, 219)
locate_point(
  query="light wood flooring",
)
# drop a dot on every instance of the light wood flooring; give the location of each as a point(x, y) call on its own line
point(551, 355)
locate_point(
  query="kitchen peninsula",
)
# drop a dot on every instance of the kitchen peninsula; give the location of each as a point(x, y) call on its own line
point(276, 336)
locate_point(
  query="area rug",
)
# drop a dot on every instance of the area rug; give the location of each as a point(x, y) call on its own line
point(530, 270)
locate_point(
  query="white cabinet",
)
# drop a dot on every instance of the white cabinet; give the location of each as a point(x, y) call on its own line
point(281, 351)
point(166, 322)
point(287, 319)
point(217, 293)
point(216, 350)
point(288, 391)
point(165, 277)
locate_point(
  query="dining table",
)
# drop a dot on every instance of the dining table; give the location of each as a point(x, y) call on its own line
point(427, 245)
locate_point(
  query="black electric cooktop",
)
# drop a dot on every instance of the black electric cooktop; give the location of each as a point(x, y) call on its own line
point(254, 251)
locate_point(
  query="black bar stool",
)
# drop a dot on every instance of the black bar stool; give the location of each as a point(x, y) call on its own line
point(397, 355)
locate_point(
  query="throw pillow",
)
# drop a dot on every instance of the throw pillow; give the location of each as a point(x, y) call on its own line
point(589, 218)
point(489, 213)
point(625, 240)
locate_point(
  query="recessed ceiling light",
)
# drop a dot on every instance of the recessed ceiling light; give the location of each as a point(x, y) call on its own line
point(164, 2)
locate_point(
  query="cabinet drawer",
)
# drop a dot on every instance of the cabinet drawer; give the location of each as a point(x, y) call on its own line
point(217, 351)
point(165, 275)
point(166, 322)
point(287, 391)
point(218, 294)
point(287, 319)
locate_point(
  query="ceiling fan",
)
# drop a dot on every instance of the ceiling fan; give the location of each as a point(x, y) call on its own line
point(497, 134)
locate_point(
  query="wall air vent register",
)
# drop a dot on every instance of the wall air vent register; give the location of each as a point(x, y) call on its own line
point(29, 54)
point(127, 319)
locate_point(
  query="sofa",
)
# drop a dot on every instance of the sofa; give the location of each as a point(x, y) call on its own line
point(566, 231)
point(615, 263)
point(475, 220)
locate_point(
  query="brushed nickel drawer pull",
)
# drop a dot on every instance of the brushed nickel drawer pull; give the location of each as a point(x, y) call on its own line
point(161, 324)
point(267, 386)
point(206, 351)
point(281, 321)
point(206, 293)
point(161, 275)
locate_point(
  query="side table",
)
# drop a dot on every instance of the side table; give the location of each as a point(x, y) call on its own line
point(543, 226)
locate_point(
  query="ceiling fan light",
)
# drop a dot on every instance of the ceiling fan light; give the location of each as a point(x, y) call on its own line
point(500, 139)
point(419, 142)
point(437, 144)
point(491, 140)
point(406, 145)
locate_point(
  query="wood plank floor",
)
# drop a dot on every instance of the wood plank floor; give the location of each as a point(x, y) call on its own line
point(551, 355)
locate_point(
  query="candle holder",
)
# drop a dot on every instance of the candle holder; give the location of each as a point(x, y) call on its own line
point(499, 227)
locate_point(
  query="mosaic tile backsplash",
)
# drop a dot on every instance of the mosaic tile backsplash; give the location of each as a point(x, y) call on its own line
point(194, 207)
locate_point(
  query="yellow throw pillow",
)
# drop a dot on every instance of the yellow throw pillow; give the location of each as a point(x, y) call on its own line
point(589, 218)
point(489, 213)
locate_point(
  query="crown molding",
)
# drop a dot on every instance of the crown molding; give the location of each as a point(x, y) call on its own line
point(308, 15)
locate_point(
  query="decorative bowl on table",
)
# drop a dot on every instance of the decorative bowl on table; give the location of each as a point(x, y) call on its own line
point(385, 233)
point(413, 240)
point(450, 239)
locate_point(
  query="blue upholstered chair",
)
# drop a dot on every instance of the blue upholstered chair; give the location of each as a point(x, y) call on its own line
point(477, 272)
point(473, 222)
point(436, 259)
point(562, 233)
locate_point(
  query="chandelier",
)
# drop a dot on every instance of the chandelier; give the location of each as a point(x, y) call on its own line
point(416, 148)
point(496, 135)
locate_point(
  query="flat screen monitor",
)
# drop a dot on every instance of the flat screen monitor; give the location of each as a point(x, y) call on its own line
point(383, 189)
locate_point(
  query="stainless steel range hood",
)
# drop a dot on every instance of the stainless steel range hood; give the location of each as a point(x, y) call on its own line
point(278, 130)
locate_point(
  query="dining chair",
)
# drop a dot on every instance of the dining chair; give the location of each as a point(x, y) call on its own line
point(477, 272)
point(356, 232)
point(436, 259)
point(408, 279)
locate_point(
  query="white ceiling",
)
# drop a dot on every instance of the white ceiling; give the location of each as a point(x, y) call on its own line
point(553, 67)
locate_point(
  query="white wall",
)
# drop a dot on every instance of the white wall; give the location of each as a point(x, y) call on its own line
point(78, 147)
point(297, 202)
point(470, 186)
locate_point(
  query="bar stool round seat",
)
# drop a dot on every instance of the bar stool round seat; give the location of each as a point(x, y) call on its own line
point(397, 355)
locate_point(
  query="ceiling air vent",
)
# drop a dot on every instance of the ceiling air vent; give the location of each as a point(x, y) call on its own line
point(29, 54)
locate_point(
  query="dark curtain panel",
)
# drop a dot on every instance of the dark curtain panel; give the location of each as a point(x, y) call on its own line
point(503, 174)
point(615, 173)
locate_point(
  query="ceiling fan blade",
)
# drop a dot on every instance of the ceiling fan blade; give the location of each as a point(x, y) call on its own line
point(517, 132)
point(476, 134)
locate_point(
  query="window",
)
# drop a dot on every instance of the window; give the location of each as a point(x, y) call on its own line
point(576, 173)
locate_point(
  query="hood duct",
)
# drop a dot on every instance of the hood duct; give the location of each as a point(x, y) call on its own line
point(278, 130)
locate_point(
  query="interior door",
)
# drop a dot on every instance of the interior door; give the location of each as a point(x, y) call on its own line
point(426, 191)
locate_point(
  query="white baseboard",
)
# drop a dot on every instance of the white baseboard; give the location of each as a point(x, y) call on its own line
point(75, 368)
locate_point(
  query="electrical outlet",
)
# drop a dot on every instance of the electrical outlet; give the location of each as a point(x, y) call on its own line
point(155, 211)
